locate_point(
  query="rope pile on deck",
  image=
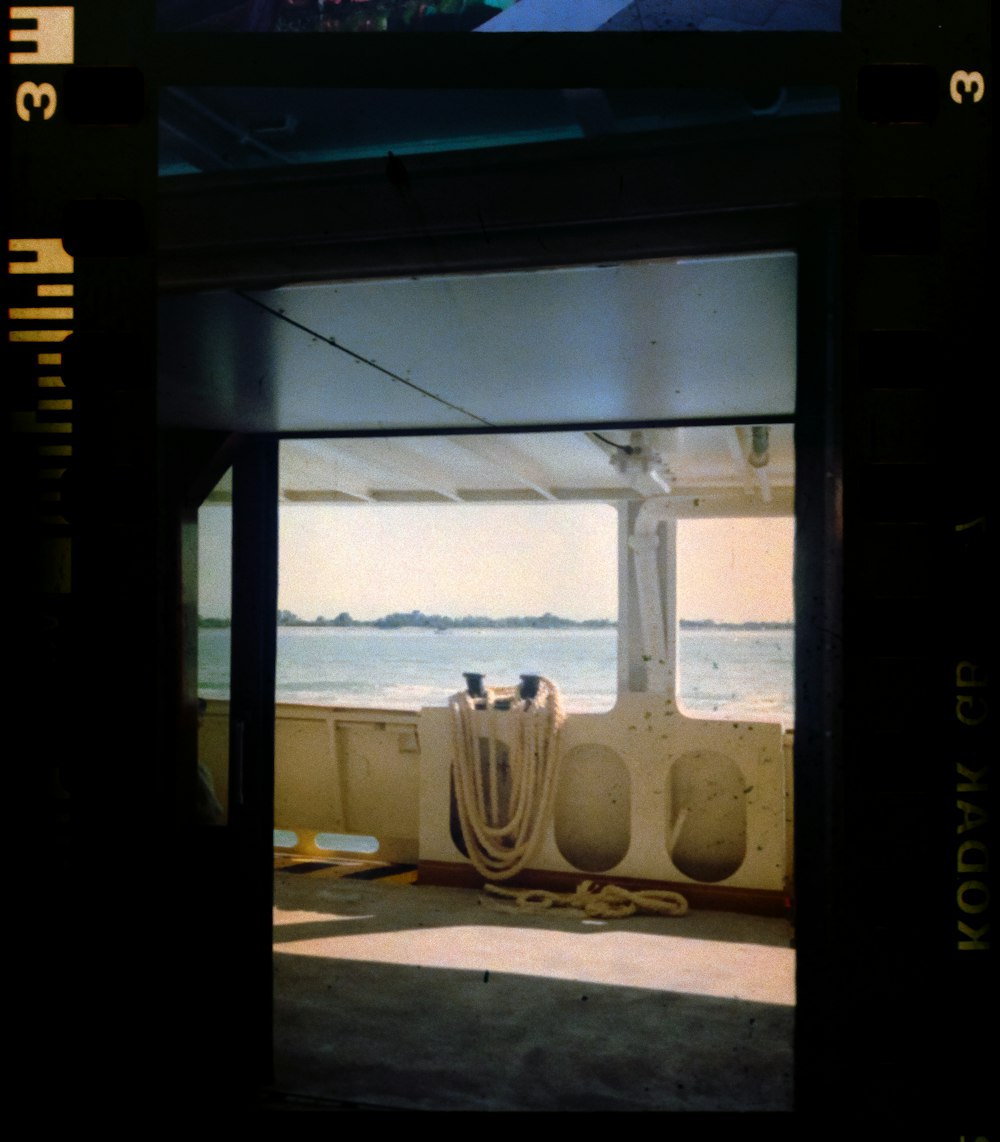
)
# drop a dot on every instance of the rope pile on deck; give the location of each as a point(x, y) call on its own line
point(608, 903)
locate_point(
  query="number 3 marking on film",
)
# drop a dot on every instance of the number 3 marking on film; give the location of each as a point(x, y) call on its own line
point(967, 81)
point(36, 93)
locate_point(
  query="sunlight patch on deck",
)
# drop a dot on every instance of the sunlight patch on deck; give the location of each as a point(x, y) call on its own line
point(720, 969)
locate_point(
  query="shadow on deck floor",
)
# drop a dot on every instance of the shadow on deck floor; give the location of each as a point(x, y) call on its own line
point(394, 996)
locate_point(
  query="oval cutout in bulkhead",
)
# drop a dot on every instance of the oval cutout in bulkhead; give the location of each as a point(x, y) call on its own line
point(707, 816)
point(593, 808)
point(346, 843)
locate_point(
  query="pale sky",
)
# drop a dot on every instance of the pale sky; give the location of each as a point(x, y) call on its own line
point(457, 560)
point(735, 570)
point(499, 560)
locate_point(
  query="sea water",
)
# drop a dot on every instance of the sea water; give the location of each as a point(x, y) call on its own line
point(722, 673)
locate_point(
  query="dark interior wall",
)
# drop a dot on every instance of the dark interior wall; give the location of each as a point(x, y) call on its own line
point(705, 191)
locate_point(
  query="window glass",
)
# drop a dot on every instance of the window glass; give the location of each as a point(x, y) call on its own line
point(735, 609)
point(314, 17)
point(388, 606)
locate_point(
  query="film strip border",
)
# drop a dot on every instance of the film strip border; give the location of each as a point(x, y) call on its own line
point(916, 785)
point(79, 455)
point(914, 794)
point(79, 357)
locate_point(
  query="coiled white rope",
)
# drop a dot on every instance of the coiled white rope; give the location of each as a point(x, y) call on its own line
point(503, 804)
point(609, 903)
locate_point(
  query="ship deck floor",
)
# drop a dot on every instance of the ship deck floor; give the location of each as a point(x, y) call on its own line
point(394, 995)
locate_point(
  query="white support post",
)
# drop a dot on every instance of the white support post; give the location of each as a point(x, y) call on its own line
point(656, 592)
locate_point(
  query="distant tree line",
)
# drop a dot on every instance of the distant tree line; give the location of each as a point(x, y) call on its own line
point(398, 619)
point(547, 621)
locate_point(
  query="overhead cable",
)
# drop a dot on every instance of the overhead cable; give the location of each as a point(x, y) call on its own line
point(333, 343)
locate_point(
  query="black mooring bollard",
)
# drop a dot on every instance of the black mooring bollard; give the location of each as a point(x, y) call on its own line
point(529, 686)
point(474, 685)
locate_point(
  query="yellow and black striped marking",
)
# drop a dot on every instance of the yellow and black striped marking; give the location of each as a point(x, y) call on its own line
point(337, 867)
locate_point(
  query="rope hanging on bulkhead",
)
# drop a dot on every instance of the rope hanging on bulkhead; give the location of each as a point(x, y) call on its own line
point(504, 801)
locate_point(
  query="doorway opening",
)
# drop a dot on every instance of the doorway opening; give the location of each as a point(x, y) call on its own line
point(637, 801)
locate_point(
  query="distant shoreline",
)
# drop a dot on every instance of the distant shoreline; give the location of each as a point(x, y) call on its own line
point(416, 620)
point(711, 624)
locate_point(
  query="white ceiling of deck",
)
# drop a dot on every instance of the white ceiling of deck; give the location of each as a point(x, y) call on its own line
point(708, 471)
point(636, 341)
